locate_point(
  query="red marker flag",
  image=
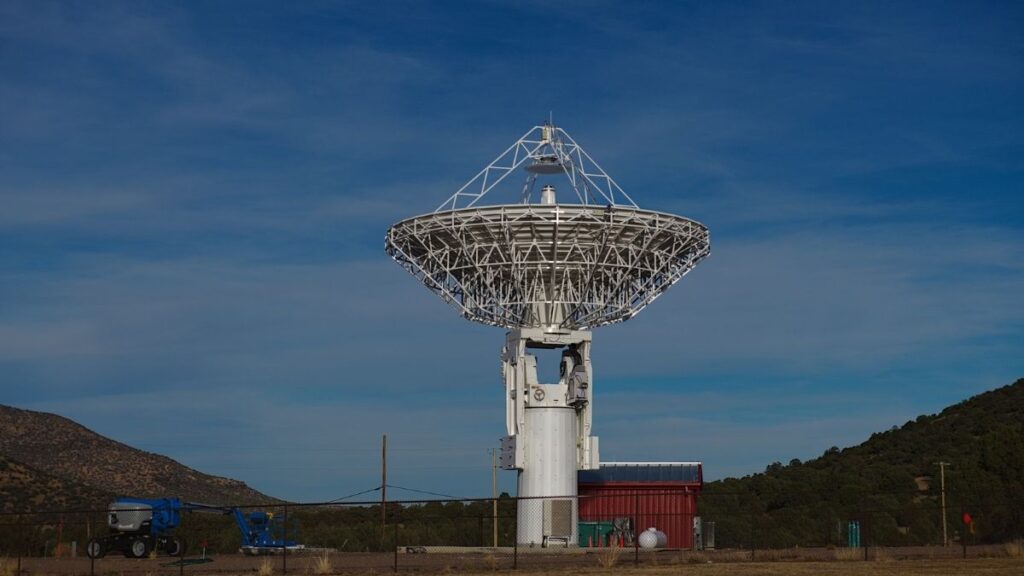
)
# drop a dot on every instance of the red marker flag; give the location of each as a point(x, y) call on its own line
point(969, 522)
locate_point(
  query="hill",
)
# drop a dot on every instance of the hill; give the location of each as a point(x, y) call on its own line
point(49, 462)
point(23, 488)
point(890, 483)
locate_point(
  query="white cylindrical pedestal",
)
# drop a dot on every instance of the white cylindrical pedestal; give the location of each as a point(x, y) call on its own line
point(547, 482)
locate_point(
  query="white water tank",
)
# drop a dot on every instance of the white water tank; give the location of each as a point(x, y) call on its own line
point(652, 538)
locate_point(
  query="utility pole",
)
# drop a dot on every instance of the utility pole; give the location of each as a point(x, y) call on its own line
point(383, 485)
point(494, 494)
point(942, 476)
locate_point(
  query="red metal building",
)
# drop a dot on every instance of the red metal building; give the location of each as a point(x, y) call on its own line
point(660, 495)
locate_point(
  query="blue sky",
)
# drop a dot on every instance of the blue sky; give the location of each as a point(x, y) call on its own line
point(194, 199)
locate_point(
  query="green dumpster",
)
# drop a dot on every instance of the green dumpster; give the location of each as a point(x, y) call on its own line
point(595, 534)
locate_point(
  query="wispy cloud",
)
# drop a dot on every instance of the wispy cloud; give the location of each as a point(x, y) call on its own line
point(859, 298)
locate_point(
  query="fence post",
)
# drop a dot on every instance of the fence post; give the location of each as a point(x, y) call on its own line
point(963, 531)
point(752, 544)
point(21, 537)
point(92, 561)
point(515, 537)
point(636, 528)
point(181, 556)
point(864, 534)
point(284, 543)
point(395, 522)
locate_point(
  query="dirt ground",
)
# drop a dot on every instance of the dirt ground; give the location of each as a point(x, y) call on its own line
point(924, 561)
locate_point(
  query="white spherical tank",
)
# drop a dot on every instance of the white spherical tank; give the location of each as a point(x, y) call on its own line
point(648, 539)
point(652, 538)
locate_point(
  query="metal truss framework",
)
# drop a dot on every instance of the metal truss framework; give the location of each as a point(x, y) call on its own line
point(550, 150)
point(549, 273)
point(545, 265)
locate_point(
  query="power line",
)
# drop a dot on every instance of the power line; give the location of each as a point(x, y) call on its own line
point(449, 496)
point(352, 495)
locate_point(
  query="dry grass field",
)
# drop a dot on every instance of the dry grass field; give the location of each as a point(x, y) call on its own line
point(970, 567)
point(984, 561)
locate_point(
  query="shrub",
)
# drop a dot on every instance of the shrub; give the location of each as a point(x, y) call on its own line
point(322, 564)
point(1014, 549)
point(608, 557)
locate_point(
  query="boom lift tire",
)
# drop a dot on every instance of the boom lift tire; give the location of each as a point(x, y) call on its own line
point(95, 549)
point(174, 547)
point(139, 548)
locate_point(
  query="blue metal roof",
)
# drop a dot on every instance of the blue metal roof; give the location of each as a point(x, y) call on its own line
point(683, 472)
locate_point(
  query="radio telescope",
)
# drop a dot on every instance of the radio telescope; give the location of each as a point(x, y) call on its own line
point(549, 272)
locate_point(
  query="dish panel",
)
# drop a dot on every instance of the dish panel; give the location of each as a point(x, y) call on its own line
point(533, 265)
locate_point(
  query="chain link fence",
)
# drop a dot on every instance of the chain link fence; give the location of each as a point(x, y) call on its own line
point(498, 534)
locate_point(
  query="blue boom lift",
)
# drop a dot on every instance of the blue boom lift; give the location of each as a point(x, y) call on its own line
point(140, 526)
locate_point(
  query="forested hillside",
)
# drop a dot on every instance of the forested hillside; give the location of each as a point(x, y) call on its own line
point(890, 483)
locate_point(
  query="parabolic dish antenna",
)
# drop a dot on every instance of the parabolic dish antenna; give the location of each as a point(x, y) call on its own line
point(571, 266)
point(548, 272)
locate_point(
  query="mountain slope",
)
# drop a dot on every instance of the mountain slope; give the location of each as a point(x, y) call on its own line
point(47, 459)
point(890, 482)
point(24, 488)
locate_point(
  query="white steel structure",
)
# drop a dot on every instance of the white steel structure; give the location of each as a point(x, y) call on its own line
point(548, 272)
